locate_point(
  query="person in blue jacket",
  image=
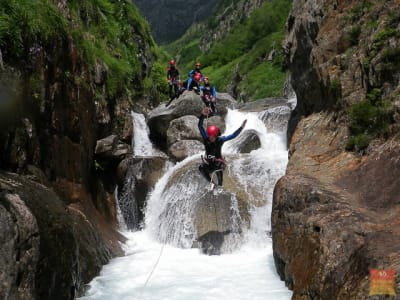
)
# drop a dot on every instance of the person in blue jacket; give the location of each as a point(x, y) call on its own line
point(213, 141)
point(209, 95)
point(192, 74)
point(195, 84)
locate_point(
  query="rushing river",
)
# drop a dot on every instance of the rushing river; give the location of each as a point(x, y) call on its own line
point(154, 270)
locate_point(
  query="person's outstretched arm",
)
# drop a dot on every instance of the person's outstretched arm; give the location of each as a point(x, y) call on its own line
point(201, 128)
point(235, 134)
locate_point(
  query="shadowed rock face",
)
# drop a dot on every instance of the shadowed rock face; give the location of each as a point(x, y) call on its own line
point(335, 214)
point(49, 128)
point(50, 250)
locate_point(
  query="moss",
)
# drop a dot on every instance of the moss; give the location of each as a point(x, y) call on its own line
point(103, 32)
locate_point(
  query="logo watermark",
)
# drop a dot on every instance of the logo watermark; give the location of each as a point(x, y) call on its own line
point(382, 282)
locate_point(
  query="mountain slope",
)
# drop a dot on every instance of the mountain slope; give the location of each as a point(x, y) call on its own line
point(239, 48)
point(170, 19)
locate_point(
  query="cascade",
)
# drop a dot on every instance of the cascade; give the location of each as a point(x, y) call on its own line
point(165, 247)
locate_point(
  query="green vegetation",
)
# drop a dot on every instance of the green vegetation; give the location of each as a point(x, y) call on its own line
point(369, 119)
point(242, 55)
point(104, 33)
point(359, 10)
point(354, 35)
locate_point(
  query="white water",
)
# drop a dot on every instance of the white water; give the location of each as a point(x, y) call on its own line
point(141, 143)
point(151, 270)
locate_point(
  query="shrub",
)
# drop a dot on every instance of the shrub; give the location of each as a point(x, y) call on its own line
point(354, 35)
point(369, 119)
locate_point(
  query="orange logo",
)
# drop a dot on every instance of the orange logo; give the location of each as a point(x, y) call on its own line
point(382, 282)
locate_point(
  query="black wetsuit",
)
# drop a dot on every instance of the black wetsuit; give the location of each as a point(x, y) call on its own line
point(213, 162)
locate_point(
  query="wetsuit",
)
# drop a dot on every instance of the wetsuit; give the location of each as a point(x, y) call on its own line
point(191, 76)
point(194, 86)
point(209, 96)
point(173, 79)
point(213, 161)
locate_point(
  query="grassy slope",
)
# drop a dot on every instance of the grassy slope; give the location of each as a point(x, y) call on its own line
point(103, 31)
point(244, 49)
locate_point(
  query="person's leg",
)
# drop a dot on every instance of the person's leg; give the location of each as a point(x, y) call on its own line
point(203, 168)
point(170, 87)
point(219, 177)
point(213, 109)
point(176, 90)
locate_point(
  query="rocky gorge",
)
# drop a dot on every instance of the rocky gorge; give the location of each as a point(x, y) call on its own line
point(335, 212)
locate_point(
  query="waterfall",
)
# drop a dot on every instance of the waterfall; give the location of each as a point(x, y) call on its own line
point(141, 143)
point(165, 243)
point(128, 203)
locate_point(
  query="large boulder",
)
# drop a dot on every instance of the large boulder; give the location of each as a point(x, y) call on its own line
point(217, 224)
point(19, 240)
point(188, 104)
point(334, 214)
point(50, 250)
point(195, 209)
point(137, 177)
point(184, 138)
point(183, 128)
point(160, 117)
point(248, 141)
point(185, 148)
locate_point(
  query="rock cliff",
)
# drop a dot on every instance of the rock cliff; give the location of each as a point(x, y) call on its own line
point(61, 92)
point(335, 213)
point(228, 14)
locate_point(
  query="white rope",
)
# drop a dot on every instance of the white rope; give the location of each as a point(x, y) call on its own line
point(155, 265)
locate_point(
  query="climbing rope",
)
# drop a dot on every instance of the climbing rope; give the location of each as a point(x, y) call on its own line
point(155, 265)
point(164, 243)
point(153, 269)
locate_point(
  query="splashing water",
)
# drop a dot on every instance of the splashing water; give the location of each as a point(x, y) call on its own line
point(185, 273)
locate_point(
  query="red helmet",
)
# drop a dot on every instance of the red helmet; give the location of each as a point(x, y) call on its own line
point(213, 131)
point(197, 65)
point(172, 62)
point(197, 76)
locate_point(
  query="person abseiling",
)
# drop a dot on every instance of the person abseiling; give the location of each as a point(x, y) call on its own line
point(209, 95)
point(213, 141)
point(173, 81)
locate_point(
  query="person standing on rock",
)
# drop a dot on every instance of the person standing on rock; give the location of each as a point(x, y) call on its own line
point(213, 163)
point(173, 81)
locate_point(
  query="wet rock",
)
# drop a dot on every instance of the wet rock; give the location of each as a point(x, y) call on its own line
point(19, 240)
point(248, 141)
point(188, 104)
point(137, 177)
point(185, 148)
point(51, 250)
point(183, 128)
point(334, 213)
